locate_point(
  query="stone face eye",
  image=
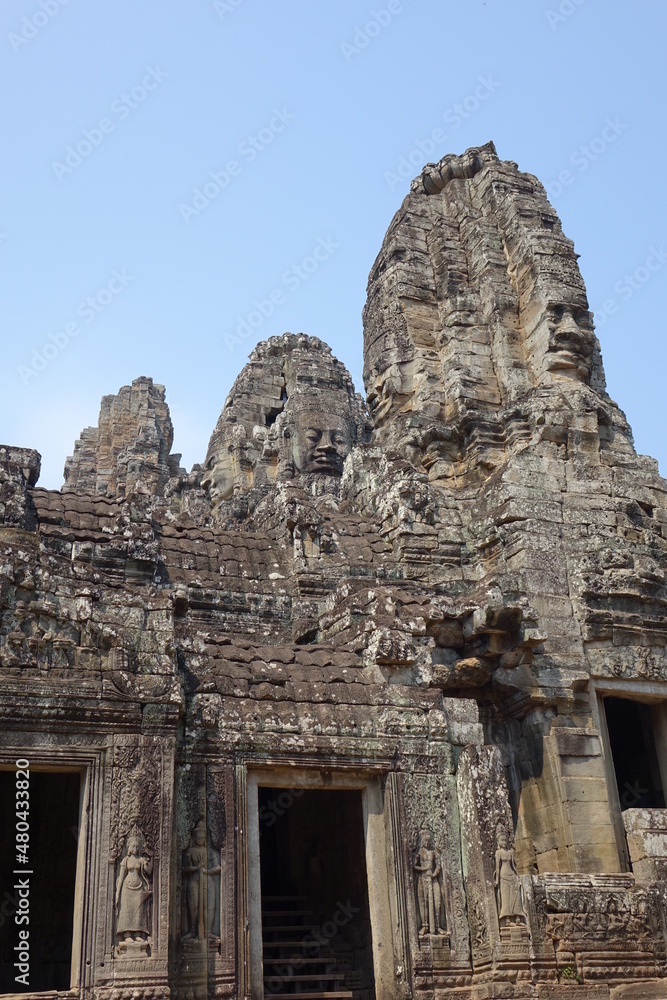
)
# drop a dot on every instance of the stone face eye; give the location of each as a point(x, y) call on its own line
point(557, 313)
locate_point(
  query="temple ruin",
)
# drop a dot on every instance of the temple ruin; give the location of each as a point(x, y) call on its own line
point(372, 703)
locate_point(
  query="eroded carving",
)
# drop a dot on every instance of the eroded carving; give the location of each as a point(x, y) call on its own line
point(331, 601)
point(506, 881)
point(201, 875)
point(133, 898)
point(429, 886)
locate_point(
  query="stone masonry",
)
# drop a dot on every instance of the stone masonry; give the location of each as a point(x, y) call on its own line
point(433, 599)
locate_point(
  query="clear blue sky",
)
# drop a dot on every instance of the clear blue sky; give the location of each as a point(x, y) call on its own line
point(314, 116)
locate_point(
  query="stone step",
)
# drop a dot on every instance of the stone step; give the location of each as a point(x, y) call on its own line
point(298, 960)
point(340, 995)
point(284, 899)
point(315, 978)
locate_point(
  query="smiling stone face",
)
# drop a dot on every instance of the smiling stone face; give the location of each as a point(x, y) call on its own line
point(218, 478)
point(560, 340)
point(292, 411)
point(322, 442)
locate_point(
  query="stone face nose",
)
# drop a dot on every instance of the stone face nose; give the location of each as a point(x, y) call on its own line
point(568, 324)
point(326, 443)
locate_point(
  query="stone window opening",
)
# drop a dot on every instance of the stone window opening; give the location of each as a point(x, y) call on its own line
point(48, 881)
point(631, 726)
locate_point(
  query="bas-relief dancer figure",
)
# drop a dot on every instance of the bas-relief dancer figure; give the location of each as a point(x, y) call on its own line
point(506, 881)
point(201, 870)
point(429, 893)
point(133, 893)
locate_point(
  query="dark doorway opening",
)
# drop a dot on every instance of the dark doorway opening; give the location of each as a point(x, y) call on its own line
point(53, 819)
point(316, 929)
point(634, 754)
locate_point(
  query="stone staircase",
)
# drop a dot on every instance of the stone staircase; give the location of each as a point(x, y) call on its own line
point(295, 963)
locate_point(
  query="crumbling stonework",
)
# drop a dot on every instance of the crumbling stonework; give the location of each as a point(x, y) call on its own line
point(426, 604)
point(129, 449)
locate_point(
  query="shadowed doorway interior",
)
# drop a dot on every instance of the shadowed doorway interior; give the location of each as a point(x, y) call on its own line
point(316, 930)
point(633, 751)
point(53, 820)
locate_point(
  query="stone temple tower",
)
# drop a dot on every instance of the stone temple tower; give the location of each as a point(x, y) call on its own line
point(371, 704)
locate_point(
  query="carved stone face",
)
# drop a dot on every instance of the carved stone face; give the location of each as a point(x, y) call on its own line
point(133, 845)
point(501, 837)
point(562, 341)
point(200, 836)
point(218, 479)
point(571, 339)
point(322, 441)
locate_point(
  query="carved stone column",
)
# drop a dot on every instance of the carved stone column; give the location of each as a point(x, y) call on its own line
point(139, 862)
point(496, 897)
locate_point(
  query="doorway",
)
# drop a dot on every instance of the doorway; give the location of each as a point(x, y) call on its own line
point(49, 888)
point(316, 926)
point(633, 751)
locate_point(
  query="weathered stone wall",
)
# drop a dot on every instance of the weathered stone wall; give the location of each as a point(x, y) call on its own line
point(427, 598)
